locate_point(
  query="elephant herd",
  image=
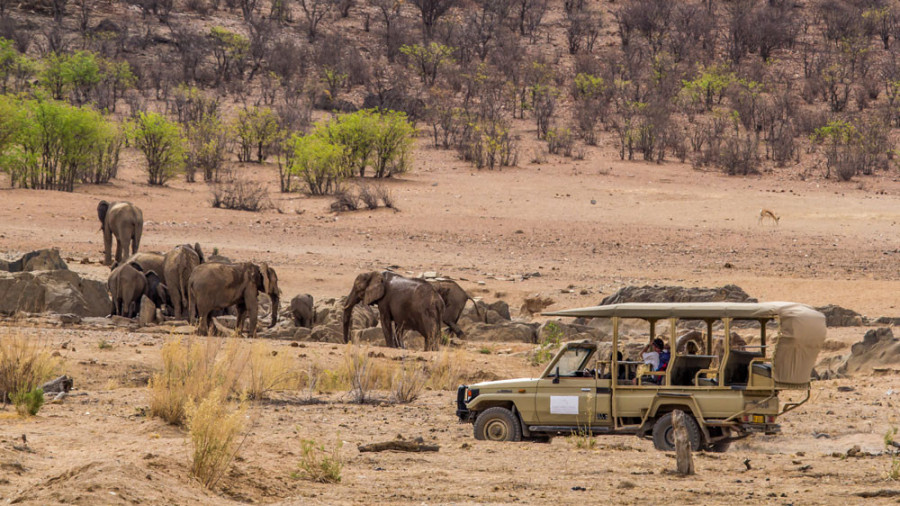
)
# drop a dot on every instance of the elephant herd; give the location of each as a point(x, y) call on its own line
point(186, 285)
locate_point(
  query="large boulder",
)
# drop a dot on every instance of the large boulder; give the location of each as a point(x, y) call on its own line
point(39, 260)
point(878, 349)
point(837, 316)
point(57, 291)
point(506, 332)
point(647, 293)
point(496, 312)
point(555, 330)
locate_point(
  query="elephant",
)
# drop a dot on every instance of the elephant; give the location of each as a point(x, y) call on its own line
point(126, 285)
point(302, 310)
point(123, 220)
point(215, 286)
point(157, 291)
point(149, 261)
point(178, 264)
point(411, 304)
point(454, 301)
point(128, 282)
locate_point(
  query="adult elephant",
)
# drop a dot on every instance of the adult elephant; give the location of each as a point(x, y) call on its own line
point(178, 264)
point(302, 310)
point(410, 304)
point(123, 220)
point(215, 286)
point(454, 301)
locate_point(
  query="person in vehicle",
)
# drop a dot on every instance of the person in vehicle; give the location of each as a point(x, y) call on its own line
point(656, 357)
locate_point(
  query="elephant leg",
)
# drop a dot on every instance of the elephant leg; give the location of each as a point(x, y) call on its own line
point(253, 309)
point(456, 329)
point(241, 317)
point(177, 304)
point(119, 252)
point(387, 328)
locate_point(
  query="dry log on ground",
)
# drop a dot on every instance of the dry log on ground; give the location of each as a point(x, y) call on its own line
point(399, 446)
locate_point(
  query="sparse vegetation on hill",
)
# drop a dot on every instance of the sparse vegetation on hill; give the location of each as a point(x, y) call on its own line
point(740, 85)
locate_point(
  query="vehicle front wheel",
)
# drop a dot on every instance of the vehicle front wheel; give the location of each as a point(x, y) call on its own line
point(664, 433)
point(497, 424)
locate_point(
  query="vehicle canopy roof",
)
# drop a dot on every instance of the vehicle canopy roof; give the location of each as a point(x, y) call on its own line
point(802, 329)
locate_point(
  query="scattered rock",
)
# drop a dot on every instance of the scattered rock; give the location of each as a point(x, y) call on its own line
point(147, 313)
point(535, 304)
point(502, 332)
point(69, 319)
point(837, 316)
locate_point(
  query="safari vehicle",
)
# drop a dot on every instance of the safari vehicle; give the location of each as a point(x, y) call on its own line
point(727, 397)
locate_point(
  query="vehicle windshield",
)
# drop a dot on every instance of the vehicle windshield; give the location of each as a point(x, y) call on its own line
point(572, 361)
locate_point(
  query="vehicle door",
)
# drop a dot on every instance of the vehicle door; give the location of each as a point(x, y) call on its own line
point(566, 398)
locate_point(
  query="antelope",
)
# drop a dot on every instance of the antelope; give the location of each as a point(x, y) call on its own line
point(766, 213)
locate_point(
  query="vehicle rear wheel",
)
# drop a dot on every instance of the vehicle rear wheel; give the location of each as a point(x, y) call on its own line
point(498, 424)
point(664, 433)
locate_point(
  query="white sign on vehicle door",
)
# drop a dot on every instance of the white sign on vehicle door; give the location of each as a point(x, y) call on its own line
point(564, 404)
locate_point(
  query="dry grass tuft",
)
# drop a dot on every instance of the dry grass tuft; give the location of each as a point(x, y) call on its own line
point(317, 464)
point(215, 426)
point(361, 371)
point(408, 382)
point(446, 371)
point(191, 371)
point(25, 364)
point(268, 371)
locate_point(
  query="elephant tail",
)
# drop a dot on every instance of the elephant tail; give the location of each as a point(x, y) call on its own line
point(478, 310)
point(192, 304)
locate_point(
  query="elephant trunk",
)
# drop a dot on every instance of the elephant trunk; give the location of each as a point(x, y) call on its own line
point(275, 301)
point(348, 316)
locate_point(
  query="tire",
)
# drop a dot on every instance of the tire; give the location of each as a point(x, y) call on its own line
point(497, 424)
point(664, 433)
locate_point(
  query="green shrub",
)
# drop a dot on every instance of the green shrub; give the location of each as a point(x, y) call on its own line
point(161, 142)
point(358, 133)
point(230, 50)
point(86, 76)
point(28, 403)
point(256, 128)
point(317, 464)
point(321, 164)
point(393, 144)
point(50, 145)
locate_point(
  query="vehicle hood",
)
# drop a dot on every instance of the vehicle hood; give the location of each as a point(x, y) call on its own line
point(504, 384)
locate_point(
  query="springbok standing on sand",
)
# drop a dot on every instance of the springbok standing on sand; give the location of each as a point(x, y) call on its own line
point(766, 213)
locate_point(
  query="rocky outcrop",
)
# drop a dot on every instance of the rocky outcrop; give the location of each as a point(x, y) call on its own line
point(879, 349)
point(727, 293)
point(39, 260)
point(837, 316)
point(535, 304)
point(506, 332)
point(56, 291)
point(555, 330)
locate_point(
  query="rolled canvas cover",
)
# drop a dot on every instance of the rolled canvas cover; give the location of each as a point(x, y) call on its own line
point(802, 334)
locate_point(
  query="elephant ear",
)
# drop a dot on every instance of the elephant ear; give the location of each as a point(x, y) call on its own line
point(375, 290)
point(199, 252)
point(264, 270)
point(102, 208)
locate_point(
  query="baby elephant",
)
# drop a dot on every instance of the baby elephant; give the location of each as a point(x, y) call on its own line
point(302, 310)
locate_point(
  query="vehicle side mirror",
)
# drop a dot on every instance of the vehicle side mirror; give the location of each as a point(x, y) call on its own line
point(556, 378)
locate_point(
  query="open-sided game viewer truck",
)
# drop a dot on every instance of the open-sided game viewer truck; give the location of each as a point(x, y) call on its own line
point(596, 388)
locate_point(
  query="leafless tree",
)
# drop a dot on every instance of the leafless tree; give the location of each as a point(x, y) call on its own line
point(314, 11)
point(431, 11)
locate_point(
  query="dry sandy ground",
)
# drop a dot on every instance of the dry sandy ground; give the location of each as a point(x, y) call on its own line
point(588, 227)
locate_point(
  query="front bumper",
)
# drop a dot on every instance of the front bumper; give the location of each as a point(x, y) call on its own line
point(462, 412)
